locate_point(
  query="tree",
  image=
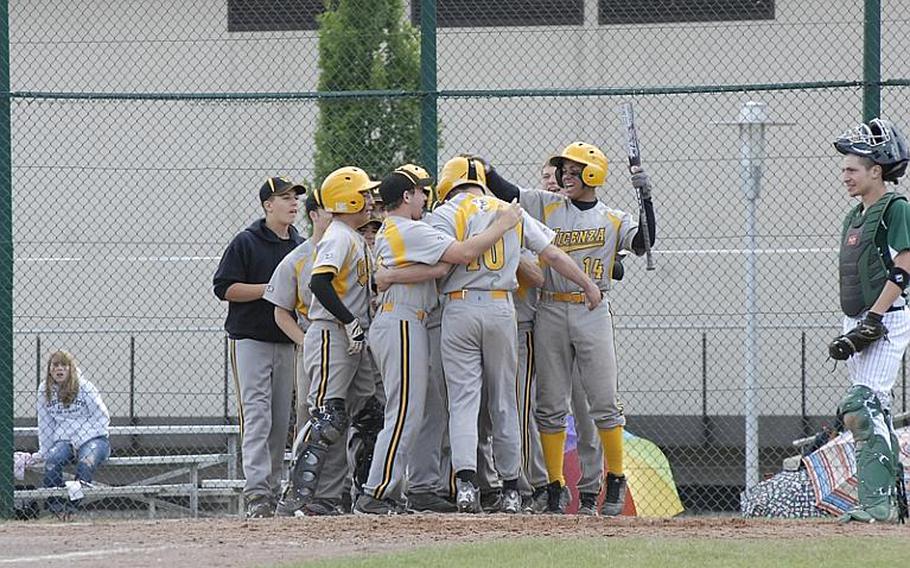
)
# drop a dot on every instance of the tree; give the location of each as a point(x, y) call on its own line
point(367, 45)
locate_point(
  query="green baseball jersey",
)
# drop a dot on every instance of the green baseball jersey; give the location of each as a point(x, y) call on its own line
point(401, 242)
point(897, 230)
point(342, 252)
point(466, 215)
point(592, 237)
point(289, 287)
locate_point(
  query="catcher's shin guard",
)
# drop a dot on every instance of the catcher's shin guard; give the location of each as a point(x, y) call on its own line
point(327, 426)
point(863, 416)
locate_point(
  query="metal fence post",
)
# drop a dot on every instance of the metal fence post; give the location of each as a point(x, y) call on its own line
point(6, 275)
point(752, 119)
point(429, 130)
point(872, 59)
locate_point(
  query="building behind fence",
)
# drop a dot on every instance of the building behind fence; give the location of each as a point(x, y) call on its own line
point(141, 130)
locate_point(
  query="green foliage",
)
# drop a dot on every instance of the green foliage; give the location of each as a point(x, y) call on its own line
point(367, 45)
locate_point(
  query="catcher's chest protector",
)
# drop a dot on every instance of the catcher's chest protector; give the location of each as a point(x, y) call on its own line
point(863, 273)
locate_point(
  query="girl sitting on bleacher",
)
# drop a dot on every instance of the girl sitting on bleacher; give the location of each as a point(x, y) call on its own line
point(72, 427)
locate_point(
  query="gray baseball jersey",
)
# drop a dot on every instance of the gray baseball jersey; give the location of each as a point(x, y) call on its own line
point(289, 287)
point(591, 237)
point(343, 253)
point(400, 344)
point(466, 215)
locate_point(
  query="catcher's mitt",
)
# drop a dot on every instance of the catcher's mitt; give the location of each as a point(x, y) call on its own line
point(869, 330)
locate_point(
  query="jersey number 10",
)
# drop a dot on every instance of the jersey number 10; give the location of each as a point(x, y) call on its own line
point(493, 259)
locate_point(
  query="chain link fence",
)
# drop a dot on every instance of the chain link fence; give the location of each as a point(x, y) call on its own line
point(141, 131)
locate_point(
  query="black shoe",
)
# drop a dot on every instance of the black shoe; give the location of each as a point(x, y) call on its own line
point(260, 508)
point(368, 505)
point(536, 502)
point(616, 496)
point(321, 508)
point(430, 503)
point(491, 501)
point(557, 498)
point(587, 504)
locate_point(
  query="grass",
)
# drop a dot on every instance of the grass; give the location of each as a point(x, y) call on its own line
point(633, 552)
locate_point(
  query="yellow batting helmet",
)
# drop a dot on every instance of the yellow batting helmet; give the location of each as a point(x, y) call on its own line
point(343, 190)
point(595, 162)
point(460, 170)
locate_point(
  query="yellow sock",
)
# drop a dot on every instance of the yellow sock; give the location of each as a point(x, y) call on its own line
point(554, 447)
point(611, 439)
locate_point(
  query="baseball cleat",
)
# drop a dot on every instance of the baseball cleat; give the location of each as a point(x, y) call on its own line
point(616, 496)
point(587, 504)
point(491, 501)
point(367, 505)
point(557, 498)
point(536, 502)
point(430, 503)
point(260, 508)
point(511, 501)
point(467, 497)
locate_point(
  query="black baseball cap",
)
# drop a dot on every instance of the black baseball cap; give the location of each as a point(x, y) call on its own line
point(277, 186)
point(310, 204)
point(395, 185)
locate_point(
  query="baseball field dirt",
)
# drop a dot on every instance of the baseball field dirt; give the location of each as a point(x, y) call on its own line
point(228, 543)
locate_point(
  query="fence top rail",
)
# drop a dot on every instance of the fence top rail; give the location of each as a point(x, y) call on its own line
point(150, 430)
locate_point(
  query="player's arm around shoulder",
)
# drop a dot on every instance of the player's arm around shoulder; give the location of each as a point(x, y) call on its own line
point(507, 216)
point(530, 274)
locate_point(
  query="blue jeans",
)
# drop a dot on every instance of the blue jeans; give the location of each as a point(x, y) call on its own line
point(88, 457)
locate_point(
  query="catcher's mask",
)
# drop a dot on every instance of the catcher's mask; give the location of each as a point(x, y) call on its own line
point(880, 141)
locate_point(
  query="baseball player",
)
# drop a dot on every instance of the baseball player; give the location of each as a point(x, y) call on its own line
point(339, 366)
point(590, 450)
point(400, 340)
point(289, 291)
point(479, 329)
point(533, 479)
point(262, 355)
point(567, 334)
point(874, 272)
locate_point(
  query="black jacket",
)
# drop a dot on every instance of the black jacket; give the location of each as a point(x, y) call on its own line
point(251, 258)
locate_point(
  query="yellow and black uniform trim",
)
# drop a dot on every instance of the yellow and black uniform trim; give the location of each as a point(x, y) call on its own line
point(324, 361)
point(404, 331)
point(232, 348)
point(526, 399)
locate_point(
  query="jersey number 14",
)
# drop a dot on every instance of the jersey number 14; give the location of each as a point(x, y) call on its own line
point(593, 267)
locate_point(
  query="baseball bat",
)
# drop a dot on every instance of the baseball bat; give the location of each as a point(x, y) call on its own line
point(633, 150)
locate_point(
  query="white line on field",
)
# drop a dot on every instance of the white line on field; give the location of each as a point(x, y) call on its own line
point(682, 252)
point(82, 554)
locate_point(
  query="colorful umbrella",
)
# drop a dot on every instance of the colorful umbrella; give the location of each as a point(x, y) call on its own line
point(832, 471)
point(650, 479)
point(651, 489)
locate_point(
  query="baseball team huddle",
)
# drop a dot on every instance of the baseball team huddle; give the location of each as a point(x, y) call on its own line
point(437, 347)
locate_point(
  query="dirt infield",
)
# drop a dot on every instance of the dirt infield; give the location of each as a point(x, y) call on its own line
point(230, 543)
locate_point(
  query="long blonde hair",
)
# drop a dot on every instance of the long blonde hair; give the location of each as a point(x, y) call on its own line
point(70, 388)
